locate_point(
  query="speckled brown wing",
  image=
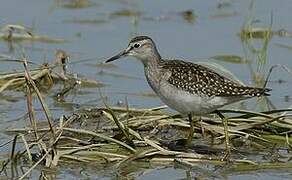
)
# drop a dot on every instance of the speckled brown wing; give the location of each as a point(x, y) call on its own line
point(198, 79)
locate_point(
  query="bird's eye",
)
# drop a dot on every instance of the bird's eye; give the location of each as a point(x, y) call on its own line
point(136, 45)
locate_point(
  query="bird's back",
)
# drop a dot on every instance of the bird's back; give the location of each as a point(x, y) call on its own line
point(198, 79)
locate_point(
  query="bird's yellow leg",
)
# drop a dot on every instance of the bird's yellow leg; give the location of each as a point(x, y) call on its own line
point(226, 134)
point(191, 131)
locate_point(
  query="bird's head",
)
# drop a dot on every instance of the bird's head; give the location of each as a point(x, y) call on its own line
point(140, 47)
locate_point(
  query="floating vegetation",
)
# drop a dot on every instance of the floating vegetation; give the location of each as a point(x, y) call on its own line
point(249, 31)
point(188, 15)
point(261, 33)
point(230, 58)
point(283, 33)
point(13, 32)
point(14, 28)
point(256, 33)
point(125, 13)
point(77, 4)
point(44, 76)
point(123, 135)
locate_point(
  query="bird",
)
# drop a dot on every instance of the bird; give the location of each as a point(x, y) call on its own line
point(189, 88)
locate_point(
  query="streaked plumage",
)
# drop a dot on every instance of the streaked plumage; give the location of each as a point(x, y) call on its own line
point(198, 79)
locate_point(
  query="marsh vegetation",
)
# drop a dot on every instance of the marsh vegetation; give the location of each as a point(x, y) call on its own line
point(66, 114)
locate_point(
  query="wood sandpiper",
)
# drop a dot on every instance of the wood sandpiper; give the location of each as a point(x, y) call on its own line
point(186, 87)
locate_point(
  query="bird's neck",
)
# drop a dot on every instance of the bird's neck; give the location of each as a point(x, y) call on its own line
point(152, 60)
point(152, 69)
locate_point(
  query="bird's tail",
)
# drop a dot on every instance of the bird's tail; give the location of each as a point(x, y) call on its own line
point(251, 91)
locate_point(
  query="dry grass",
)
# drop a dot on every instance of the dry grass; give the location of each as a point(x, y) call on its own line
point(123, 135)
point(14, 32)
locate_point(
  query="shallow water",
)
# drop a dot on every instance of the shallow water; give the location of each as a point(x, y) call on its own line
point(101, 29)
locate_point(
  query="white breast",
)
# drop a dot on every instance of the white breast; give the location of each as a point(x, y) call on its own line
point(186, 103)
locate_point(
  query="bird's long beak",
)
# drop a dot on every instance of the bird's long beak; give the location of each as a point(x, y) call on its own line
point(120, 55)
